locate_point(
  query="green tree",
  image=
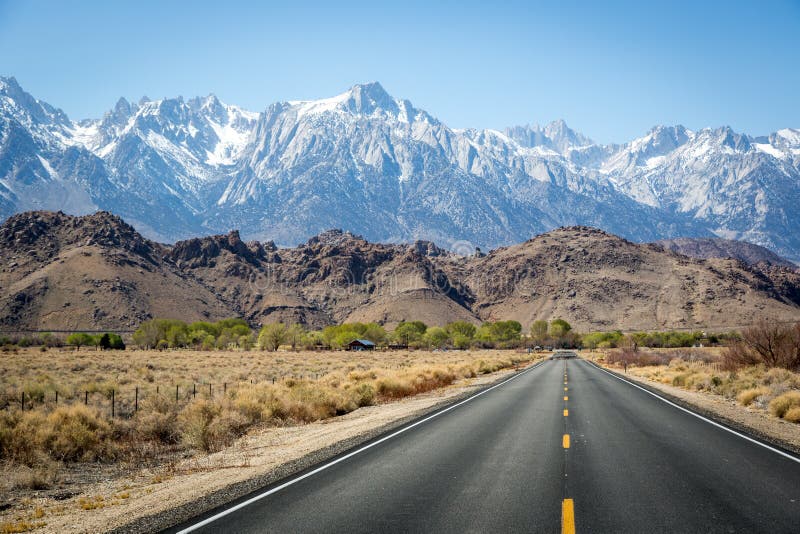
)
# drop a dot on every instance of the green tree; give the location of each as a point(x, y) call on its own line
point(312, 340)
point(461, 328)
point(177, 335)
point(245, 342)
point(505, 330)
point(105, 342)
point(209, 342)
point(461, 341)
point(80, 339)
point(206, 327)
point(272, 336)
point(539, 331)
point(437, 337)
point(294, 335)
point(559, 328)
point(375, 333)
point(150, 333)
point(115, 341)
point(409, 333)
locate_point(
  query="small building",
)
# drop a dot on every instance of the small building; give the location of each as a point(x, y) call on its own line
point(361, 344)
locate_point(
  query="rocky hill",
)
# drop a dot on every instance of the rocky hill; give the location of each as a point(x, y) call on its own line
point(716, 247)
point(61, 272)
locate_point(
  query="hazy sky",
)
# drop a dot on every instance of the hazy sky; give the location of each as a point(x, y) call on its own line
point(611, 69)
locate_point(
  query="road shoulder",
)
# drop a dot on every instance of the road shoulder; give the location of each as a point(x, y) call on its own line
point(281, 456)
point(759, 425)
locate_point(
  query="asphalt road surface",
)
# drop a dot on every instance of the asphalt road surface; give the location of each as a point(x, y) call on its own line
point(561, 447)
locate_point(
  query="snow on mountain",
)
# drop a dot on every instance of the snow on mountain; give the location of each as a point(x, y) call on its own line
point(378, 166)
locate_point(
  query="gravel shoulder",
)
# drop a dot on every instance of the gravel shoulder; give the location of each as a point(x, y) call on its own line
point(756, 423)
point(150, 500)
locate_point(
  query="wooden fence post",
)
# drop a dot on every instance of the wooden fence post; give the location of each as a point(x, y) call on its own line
point(23, 400)
point(113, 404)
point(136, 401)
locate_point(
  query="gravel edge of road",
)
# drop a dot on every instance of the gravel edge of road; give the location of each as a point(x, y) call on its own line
point(182, 513)
point(754, 433)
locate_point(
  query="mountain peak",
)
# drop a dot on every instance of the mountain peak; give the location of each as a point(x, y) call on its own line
point(9, 82)
point(360, 99)
point(555, 135)
point(40, 112)
point(367, 98)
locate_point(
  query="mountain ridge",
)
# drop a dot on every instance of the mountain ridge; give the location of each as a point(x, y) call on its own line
point(94, 272)
point(376, 165)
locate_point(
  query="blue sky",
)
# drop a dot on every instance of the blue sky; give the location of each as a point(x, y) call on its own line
point(611, 69)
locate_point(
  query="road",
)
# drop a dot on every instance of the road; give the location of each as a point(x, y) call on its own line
point(561, 447)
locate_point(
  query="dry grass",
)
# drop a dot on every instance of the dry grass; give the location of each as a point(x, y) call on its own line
point(774, 390)
point(246, 388)
point(780, 405)
point(747, 396)
point(21, 525)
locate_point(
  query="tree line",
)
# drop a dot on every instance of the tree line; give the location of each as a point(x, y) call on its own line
point(554, 334)
point(237, 334)
point(45, 340)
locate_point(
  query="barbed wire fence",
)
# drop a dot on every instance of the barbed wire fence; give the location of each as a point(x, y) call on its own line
point(124, 402)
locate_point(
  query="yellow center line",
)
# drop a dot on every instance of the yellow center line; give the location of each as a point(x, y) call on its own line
point(566, 398)
point(565, 389)
point(566, 412)
point(565, 441)
point(567, 517)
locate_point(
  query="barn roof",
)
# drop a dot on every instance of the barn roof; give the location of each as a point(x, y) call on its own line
point(365, 342)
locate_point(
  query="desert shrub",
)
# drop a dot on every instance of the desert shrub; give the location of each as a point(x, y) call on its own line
point(393, 388)
point(157, 419)
point(41, 477)
point(364, 394)
point(194, 423)
point(77, 432)
point(224, 428)
point(638, 358)
point(429, 379)
point(792, 415)
point(308, 402)
point(747, 396)
point(254, 403)
point(21, 436)
point(781, 404)
point(770, 344)
point(155, 426)
point(680, 380)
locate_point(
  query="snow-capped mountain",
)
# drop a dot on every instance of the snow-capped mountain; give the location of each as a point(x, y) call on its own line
point(378, 166)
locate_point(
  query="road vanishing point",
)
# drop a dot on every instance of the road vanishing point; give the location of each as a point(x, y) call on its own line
point(563, 446)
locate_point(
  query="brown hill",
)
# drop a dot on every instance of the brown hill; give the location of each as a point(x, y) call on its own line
point(68, 273)
point(599, 281)
point(715, 247)
point(59, 272)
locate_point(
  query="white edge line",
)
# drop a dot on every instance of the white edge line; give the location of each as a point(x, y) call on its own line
point(288, 483)
point(706, 419)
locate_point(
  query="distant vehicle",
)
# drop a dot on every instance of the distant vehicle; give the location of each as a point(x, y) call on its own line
point(563, 355)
